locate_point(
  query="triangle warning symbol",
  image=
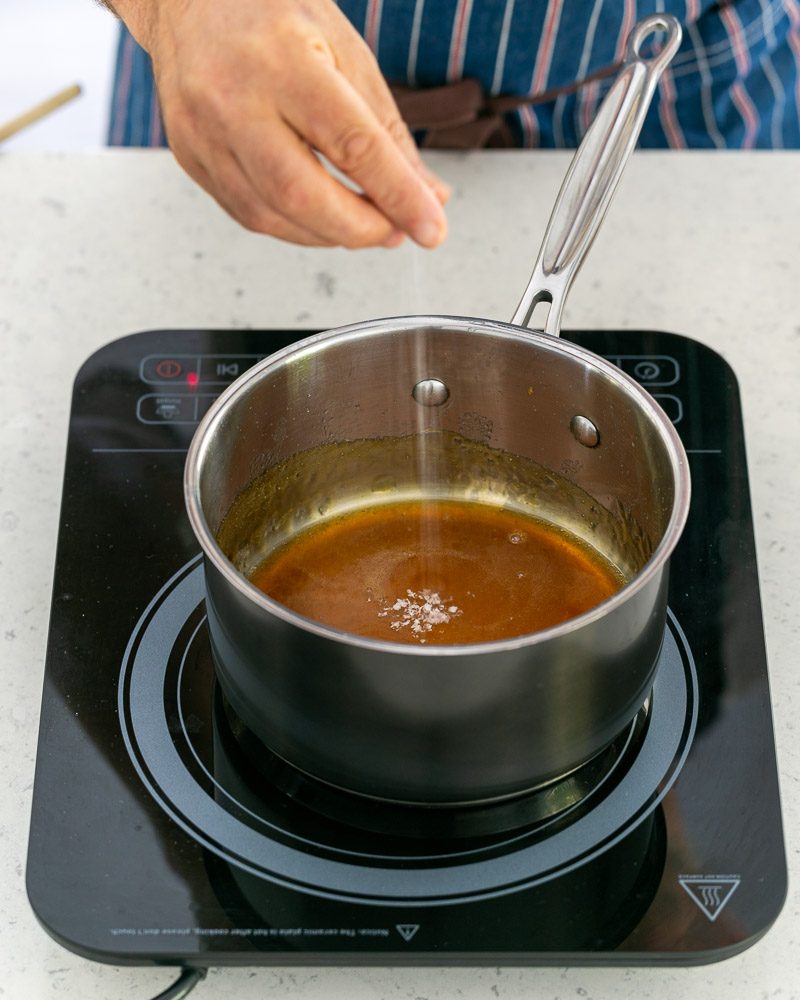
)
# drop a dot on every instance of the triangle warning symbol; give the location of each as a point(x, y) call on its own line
point(710, 892)
point(407, 931)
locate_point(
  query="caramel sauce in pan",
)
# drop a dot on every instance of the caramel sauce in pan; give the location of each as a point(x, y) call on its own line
point(443, 572)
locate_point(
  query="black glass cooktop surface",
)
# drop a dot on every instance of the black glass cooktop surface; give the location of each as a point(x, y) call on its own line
point(156, 836)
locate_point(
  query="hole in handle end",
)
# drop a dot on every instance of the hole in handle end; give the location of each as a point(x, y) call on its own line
point(656, 24)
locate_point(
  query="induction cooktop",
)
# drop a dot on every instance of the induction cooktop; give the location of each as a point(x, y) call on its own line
point(159, 835)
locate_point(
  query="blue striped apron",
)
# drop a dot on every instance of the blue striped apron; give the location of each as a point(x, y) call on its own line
point(733, 84)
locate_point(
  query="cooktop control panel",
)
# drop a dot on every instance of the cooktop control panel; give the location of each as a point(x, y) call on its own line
point(180, 388)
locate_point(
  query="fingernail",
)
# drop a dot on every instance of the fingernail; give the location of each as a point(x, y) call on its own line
point(436, 184)
point(441, 190)
point(429, 234)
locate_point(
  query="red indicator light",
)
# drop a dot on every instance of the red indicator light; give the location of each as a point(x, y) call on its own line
point(192, 379)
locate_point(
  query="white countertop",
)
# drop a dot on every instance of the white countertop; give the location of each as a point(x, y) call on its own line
point(96, 246)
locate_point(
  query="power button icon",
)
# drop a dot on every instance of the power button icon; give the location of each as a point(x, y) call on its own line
point(168, 368)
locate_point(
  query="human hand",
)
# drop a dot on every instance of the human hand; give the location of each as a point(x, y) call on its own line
point(248, 91)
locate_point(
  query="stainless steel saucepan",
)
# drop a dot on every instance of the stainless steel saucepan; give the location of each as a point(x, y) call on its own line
point(464, 408)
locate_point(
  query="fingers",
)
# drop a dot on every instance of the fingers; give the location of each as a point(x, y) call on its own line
point(245, 117)
point(290, 196)
point(285, 174)
point(332, 116)
point(227, 184)
point(369, 82)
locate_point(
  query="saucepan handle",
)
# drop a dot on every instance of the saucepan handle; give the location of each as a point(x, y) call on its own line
point(595, 171)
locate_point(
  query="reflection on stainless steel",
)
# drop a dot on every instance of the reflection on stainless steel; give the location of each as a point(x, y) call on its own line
point(430, 392)
point(584, 431)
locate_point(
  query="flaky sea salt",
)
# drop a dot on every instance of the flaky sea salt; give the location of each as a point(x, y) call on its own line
point(419, 611)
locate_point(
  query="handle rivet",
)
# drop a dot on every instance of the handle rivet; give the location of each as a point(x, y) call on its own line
point(584, 431)
point(430, 392)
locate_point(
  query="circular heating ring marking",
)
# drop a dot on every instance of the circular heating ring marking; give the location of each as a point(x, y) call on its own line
point(154, 755)
point(440, 855)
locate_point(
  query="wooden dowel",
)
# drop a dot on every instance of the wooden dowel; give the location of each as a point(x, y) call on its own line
point(38, 111)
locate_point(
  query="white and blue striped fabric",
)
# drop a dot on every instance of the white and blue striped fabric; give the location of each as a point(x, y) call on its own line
point(735, 82)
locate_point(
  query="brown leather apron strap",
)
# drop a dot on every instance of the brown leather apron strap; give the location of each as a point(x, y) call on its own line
point(460, 116)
